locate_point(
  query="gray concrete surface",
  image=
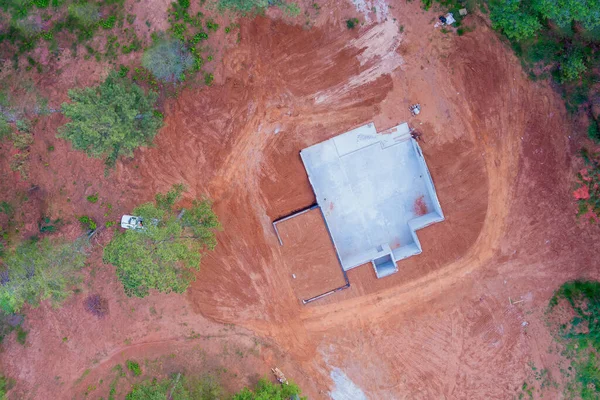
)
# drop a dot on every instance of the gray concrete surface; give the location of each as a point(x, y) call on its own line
point(367, 184)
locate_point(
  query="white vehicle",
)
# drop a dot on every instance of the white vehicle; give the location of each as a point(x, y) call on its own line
point(132, 222)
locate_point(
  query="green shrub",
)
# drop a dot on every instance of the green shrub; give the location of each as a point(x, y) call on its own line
point(87, 223)
point(134, 368)
point(587, 192)
point(42, 3)
point(581, 335)
point(5, 128)
point(108, 23)
point(21, 335)
point(166, 252)
point(572, 67)
point(22, 141)
point(594, 131)
point(110, 120)
point(351, 23)
point(37, 271)
point(93, 198)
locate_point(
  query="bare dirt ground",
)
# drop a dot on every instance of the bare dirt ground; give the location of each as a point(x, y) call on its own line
point(498, 149)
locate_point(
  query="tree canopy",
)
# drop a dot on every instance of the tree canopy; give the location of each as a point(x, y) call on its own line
point(37, 271)
point(166, 252)
point(521, 19)
point(111, 119)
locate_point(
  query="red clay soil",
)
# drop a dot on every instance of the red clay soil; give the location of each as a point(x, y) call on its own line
point(498, 150)
point(308, 255)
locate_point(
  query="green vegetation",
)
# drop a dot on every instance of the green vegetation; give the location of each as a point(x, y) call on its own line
point(587, 192)
point(5, 128)
point(178, 387)
point(93, 198)
point(351, 23)
point(265, 389)
point(112, 119)
point(168, 59)
point(87, 223)
point(5, 385)
point(581, 335)
point(165, 252)
point(37, 271)
point(244, 6)
point(134, 367)
point(554, 38)
point(21, 335)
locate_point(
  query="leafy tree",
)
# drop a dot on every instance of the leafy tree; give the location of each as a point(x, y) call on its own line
point(266, 390)
point(37, 271)
point(168, 59)
point(565, 12)
point(165, 252)
point(514, 18)
point(111, 119)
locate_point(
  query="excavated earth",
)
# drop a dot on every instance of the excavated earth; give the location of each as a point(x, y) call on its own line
point(501, 155)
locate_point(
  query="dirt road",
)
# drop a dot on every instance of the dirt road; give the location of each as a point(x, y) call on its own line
point(498, 149)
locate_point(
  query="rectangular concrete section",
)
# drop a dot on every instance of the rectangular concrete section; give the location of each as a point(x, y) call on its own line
point(375, 191)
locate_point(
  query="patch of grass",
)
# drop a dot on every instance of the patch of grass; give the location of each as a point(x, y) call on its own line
point(87, 223)
point(21, 335)
point(93, 198)
point(134, 367)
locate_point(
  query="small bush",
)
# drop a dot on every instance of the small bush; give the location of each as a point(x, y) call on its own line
point(351, 23)
point(134, 367)
point(21, 335)
point(594, 132)
point(22, 141)
point(96, 305)
point(108, 23)
point(572, 67)
point(85, 15)
point(168, 59)
point(5, 128)
point(87, 223)
point(93, 198)
point(212, 25)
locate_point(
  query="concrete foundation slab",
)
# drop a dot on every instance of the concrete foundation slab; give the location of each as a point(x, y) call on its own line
point(375, 191)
